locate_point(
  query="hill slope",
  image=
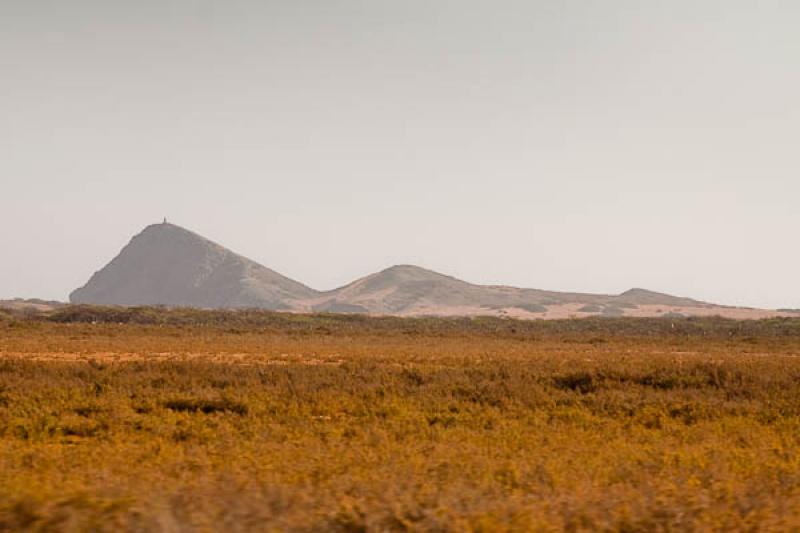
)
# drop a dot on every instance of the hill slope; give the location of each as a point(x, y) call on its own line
point(411, 290)
point(168, 265)
point(171, 266)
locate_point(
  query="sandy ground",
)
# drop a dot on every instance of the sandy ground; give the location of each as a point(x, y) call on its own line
point(247, 359)
point(563, 311)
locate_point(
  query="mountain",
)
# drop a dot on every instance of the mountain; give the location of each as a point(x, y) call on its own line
point(411, 290)
point(408, 289)
point(401, 289)
point(168, 265)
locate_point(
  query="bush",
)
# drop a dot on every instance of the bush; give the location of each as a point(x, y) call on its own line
point(206, 406)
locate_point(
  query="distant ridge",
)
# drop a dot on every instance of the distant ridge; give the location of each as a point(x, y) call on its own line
point(35, 304)
point(169, 265)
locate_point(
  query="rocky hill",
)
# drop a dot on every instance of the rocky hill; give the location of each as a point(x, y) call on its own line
point(169, 265)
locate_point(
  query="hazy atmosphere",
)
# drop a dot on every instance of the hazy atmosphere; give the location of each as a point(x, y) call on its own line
point(370, 265)
point(572, 145)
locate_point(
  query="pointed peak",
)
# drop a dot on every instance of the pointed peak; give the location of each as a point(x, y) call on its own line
point(163, 225)
point(404, 268)
point(411, 272)
point(637, 291)
point(167, 228)
point(640, 296)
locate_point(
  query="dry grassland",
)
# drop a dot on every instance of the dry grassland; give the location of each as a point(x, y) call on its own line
point(209, 422)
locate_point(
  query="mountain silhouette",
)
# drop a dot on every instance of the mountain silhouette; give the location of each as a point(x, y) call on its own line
point(168, 265)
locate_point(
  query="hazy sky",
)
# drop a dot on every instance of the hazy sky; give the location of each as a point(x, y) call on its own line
point(568, 145)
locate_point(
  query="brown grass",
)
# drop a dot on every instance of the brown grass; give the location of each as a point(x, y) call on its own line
point(321, 423)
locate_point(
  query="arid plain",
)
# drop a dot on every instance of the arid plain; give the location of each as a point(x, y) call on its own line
point(154, 420)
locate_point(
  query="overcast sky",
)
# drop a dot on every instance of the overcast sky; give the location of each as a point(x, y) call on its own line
point(568, 145)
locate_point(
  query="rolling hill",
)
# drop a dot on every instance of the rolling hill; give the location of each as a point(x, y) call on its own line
point(168, 265)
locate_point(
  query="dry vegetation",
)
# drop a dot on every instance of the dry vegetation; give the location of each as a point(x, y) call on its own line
point(190, 421)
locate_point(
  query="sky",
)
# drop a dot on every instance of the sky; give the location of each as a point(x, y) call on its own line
point(569, 145)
